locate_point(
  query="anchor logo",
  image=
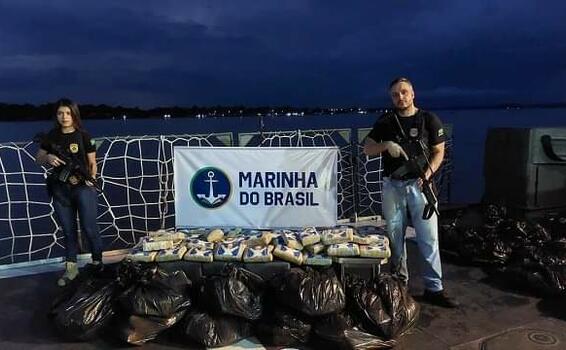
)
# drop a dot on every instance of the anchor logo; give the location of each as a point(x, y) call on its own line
point(210, 187)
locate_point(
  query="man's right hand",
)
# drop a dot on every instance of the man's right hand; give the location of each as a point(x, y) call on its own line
point(395, 150)
point(53, 160)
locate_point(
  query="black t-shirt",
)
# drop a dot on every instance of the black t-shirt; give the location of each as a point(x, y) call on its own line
point(423, 125)
point(74, 146)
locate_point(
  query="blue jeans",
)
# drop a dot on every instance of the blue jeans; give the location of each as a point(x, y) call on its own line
point(400, 197)
point(84, 202)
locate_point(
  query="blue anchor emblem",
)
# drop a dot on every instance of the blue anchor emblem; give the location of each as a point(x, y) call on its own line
point(210, 198)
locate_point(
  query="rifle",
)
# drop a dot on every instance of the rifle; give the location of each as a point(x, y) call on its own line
point(416, 167)
point(427, 185)
point(72, 164)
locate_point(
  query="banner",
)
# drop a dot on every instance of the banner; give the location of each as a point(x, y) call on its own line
point(253, 187)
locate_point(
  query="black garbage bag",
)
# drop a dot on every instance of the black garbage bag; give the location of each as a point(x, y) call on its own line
point(382, 307)
point(556, 225)
point(161, 294)
point(312, 292)
point(138, 330)
point(365, 306)
point(532, 279)
point(540, 268)
point(236, 292)
point(493, 215)
point(554, 253)
point(555, 278)
point(337, 331)
point(130, 272)
point(215, 330)
point(398, 303)
point(283, 327)
point(358, 340)
point(518, 234)
point(88, 310)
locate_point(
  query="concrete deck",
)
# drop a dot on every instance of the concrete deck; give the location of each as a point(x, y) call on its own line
point(492, 317)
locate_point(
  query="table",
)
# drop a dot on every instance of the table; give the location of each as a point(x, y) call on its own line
point(345, 263)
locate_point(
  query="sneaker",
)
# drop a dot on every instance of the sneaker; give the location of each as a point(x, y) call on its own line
point(71, 272)
point(439, 298)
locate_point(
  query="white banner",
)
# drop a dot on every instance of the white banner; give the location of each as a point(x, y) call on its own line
point(253, 187)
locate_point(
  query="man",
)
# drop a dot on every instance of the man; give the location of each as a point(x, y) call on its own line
point(406, 132)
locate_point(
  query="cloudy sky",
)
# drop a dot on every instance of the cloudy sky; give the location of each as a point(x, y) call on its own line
point(274, 52)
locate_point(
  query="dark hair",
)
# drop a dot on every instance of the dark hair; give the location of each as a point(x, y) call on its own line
point(75, 113)
point(399, 80)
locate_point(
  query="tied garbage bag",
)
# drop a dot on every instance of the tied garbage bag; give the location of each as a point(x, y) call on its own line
point(137, 330)
point(283, 327)
point(398, 303)
point(87, 310)
point(131, 272)
point(365, 305)
point(158, 293)
point(214, 331)
point(337, 331)
point(312, 292)
point(382, 306)
point(539, 268)
point(235, 292)
point(554, 252)
point(556, 224)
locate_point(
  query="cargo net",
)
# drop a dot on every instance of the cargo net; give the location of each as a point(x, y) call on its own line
point(340, 138)
point(136, 176)
point(370, 179)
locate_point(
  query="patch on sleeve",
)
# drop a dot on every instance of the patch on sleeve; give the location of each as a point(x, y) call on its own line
point(440, 132)
point(92, 142)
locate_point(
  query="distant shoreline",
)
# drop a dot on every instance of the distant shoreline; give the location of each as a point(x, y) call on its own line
point(28, 112)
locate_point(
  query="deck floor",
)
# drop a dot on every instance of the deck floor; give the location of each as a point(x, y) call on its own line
point(491, 316)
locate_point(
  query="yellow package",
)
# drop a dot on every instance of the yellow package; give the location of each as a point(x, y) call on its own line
point(343, 249)
point(171, 254)
point(370, 239)
point(337, 235)
point(215, 235)
point(309, 236)
point(199, 255)
point(229, 252)
point(142, 256)
point(378, 251)
point(288, 254)
point(258, 254)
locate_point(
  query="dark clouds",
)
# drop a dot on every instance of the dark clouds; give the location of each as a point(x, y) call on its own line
point(281, 52)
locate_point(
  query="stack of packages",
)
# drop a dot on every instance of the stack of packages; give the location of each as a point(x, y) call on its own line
point(310, 246)
point(160, 246)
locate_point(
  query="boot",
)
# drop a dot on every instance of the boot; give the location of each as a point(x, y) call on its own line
point(71, 272)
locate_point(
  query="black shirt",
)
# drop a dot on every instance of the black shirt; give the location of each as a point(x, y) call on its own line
point(74, 146)
point(423, 125)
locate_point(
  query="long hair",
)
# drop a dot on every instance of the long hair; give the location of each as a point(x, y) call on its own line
point(75, 113)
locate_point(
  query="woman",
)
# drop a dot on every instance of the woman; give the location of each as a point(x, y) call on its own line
point(69, 149)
